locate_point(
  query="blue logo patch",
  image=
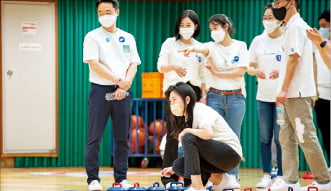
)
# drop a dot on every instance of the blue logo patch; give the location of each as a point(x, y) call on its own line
point(198, 57)
point(278, 57)
point(292, 49)
point(107, 39)
point(235, 59)
point(121, 39)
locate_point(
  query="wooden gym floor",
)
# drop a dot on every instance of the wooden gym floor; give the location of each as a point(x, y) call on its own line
point(74, 178)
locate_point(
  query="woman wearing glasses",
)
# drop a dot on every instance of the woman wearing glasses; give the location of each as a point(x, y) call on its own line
point(265, 60)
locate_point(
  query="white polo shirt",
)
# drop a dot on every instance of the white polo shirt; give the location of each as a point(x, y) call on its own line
point(296, 41)
point(205, 115)
point(114, 50)
point(194, 63)
point(266, 53)
point(226, 59)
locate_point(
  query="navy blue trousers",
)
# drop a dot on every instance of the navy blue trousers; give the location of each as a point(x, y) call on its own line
point(99, 112)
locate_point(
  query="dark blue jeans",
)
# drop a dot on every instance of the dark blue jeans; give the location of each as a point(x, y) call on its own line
point(204, 157)
point(268, 129)
point(99, 112)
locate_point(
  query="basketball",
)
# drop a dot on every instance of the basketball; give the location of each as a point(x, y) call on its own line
point(156, 126)
point(137, 121)
point(154, 144)
point(140, 138)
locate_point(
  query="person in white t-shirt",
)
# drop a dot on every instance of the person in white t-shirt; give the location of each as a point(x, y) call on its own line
point(227, 63)
point(179, 68)
point(323, 45)
point(296, 92)
point(265, 57)
point(321, 37)
point(112, 57)
point(322, 105)
point(210, 146)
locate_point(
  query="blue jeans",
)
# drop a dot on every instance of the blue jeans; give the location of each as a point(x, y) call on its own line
point(232, 109)
point(268, 129)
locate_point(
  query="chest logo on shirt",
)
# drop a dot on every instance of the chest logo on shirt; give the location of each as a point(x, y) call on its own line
point(107, 39)
point(198, 57)
point(121, 39)
point(278, 57)
point(126, 49)
point(235, 59)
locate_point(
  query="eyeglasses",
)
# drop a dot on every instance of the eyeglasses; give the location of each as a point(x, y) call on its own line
point(275, 4)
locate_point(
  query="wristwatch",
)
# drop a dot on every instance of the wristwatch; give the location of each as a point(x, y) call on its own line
point(323, 44)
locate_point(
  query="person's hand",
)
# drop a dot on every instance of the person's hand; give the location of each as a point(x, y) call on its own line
point(120, 93)
point(182, 133)
point(187, 51)
point(260, 74)
point(315, 36)
point(125, 84)
point(203, 100)
point(181, 72)
point(211, 66)
point(167, 172)
point(274, 74)
point(281, 97)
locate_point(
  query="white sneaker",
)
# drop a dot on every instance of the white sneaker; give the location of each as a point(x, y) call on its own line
point(265, 182)
point(233, 182)
point(224, 183)
point(321, 187)
point(281, 185)
point(94, 186)
point(125, 184)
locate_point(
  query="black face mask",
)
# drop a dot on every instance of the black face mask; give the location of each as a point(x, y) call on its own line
point(279, 13)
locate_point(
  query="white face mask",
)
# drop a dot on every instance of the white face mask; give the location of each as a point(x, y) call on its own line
point(218, 35)
point(325, 32)
point(177, 109)
point(186, 33)
point(270, 26)
point(107, 20)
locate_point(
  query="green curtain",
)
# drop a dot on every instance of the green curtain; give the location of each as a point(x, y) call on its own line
point(151, 22)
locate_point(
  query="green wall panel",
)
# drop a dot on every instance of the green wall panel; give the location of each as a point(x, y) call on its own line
point(151, 22)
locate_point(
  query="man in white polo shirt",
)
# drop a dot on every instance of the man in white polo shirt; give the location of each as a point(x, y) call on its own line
point(112, 57)
point(297, 93)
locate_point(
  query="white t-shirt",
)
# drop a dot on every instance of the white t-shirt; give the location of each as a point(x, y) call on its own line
point(205, 115)
point(266, 53)
point(194, 63)
point(227, 59)
point(296, 41)
point(114, 50)
point(323, 78)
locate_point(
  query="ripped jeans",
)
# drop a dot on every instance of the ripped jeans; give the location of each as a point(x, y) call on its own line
point(298, 115)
